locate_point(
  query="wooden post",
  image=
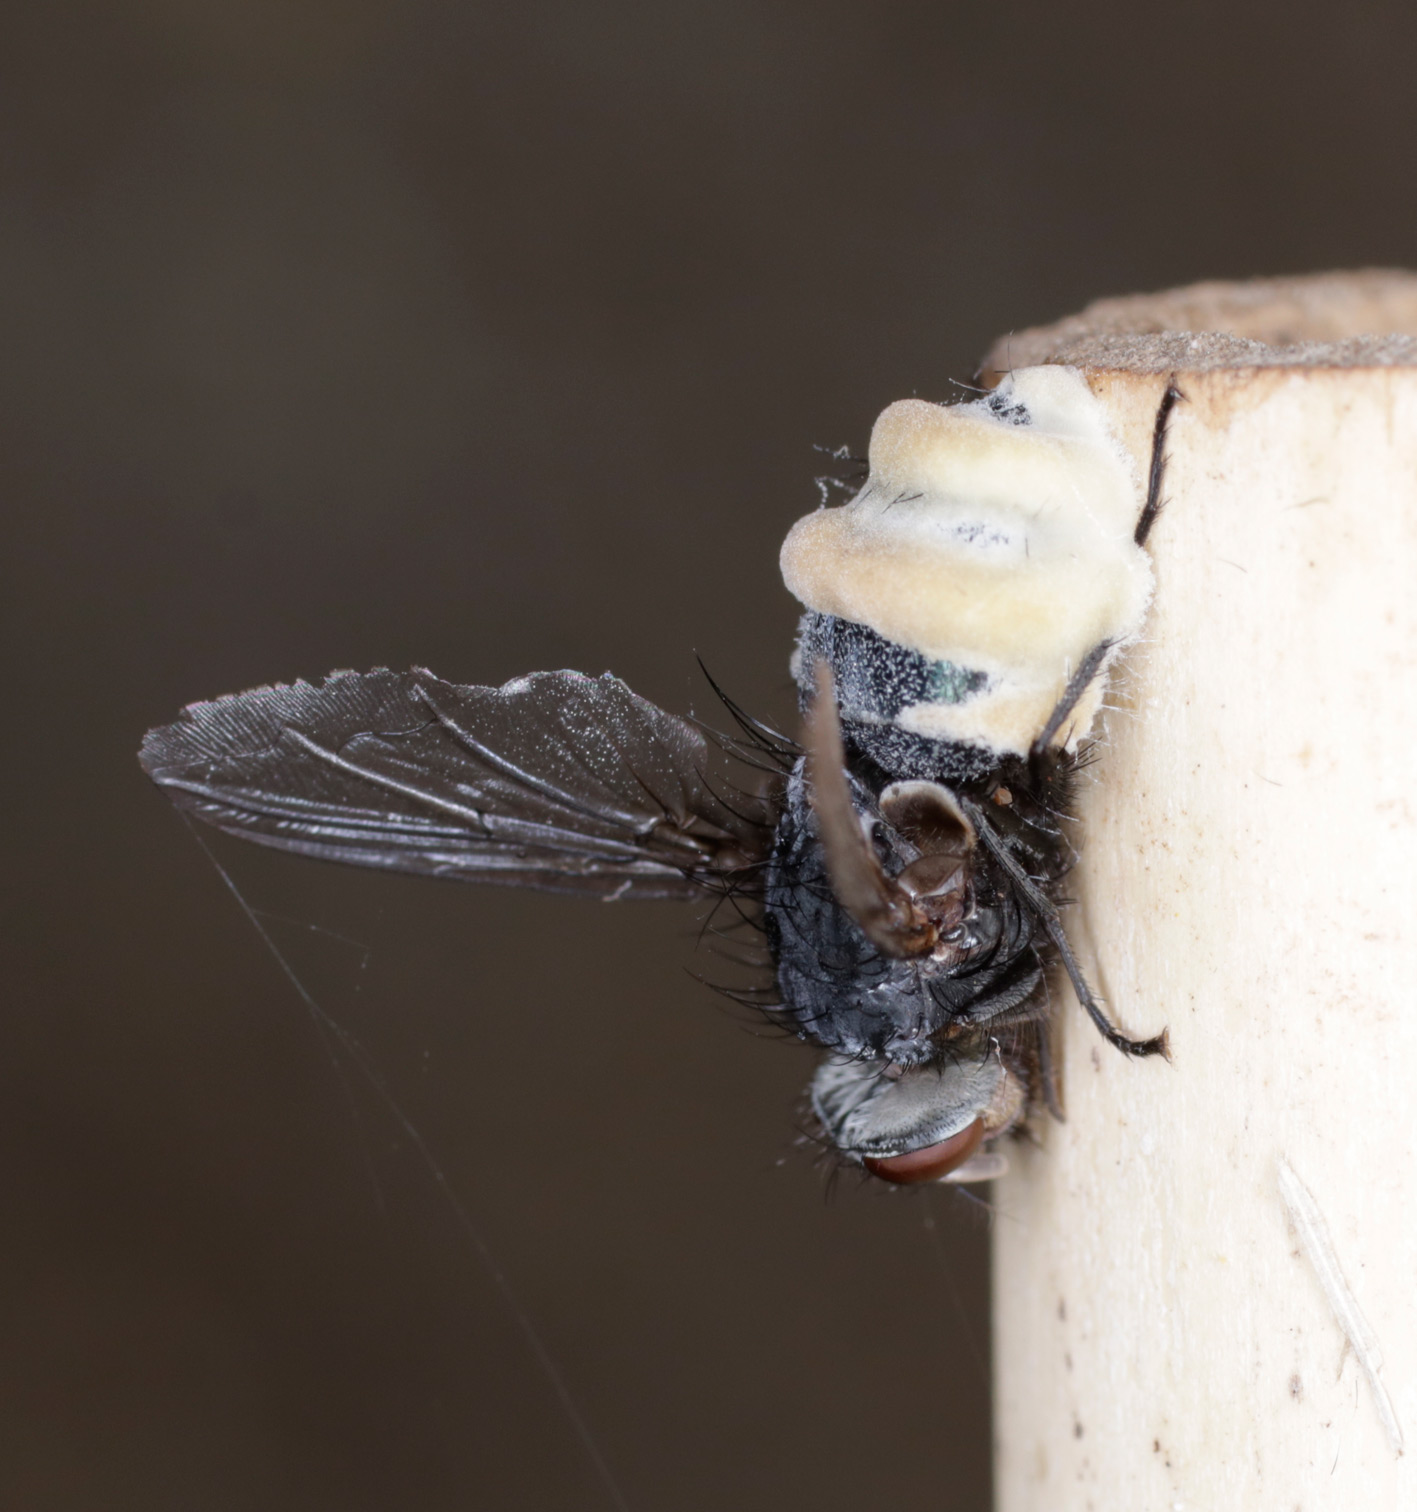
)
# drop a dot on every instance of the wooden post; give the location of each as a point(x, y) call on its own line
point(1206, 1280)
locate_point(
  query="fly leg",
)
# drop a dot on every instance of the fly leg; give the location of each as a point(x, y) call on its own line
point(1047, 1072)
point(1078, 684)
point(1042, 907)
point(1152, 507)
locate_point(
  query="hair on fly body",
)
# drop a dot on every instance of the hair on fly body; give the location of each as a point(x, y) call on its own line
point(903, 859)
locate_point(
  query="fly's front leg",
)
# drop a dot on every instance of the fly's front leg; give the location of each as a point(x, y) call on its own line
point(1045, 911)
point(1154, 501)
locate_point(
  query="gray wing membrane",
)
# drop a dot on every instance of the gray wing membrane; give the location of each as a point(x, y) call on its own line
point(555, 781)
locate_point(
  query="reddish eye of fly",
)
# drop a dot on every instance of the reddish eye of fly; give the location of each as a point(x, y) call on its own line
point(933, 1161)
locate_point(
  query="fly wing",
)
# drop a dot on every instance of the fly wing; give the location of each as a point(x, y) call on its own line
point(556, 781)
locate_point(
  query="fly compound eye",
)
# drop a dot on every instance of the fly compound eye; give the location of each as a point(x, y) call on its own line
point(931, 1163)
point(916, 1123)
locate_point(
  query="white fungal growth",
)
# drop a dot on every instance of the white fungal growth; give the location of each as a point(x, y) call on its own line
point(1314, 1239)
point(995, 536)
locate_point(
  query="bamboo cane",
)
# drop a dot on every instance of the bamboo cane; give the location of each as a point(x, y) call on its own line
point(1206, 1279)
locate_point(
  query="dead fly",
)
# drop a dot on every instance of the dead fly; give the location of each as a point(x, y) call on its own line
point(962, 613)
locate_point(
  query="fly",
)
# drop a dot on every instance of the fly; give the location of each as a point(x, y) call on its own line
point(902, 860)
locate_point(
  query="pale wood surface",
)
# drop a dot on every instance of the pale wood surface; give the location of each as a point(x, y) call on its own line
point(1164, 1338)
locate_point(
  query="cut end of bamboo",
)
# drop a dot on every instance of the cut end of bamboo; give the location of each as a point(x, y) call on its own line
point(1343, 320)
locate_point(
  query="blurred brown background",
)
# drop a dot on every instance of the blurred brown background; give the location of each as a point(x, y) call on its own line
point(497, 337)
